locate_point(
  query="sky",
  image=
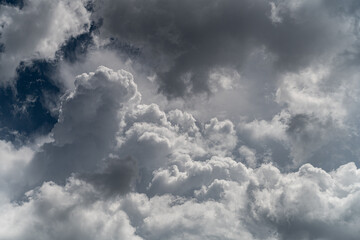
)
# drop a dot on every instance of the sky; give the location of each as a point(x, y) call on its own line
point(168, 119)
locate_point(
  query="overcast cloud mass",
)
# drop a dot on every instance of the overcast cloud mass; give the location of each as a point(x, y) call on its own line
point(169, 119)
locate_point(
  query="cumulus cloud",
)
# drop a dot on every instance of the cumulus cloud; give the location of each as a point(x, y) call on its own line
point(54, 212)
point(263, 204)
point(303, 93)
point(239, 119)
point(125, 169)
point(315, 115)
point(86, 130)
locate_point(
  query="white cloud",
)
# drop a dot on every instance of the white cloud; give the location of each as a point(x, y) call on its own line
point(249, 155)
point(264, 204)
point(69, 212)
point(12, 164)
point(37, 30)
point(223, 79)
point(304, 93)
point(275, 17)
point(313, 115)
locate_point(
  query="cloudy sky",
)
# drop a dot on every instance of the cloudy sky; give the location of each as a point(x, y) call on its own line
point(169, 119)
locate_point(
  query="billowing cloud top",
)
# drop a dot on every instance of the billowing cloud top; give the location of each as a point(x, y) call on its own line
point(179, 120)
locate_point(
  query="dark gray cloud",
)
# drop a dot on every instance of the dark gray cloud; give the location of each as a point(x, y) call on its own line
point(183, 41)
point(117, 177)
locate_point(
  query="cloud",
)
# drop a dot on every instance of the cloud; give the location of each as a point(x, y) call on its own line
point(118, 176)
point(86, 130)
point(265, 204)
point(52, 23)
point(313, 118)
point(304, 204)
point(293, 215)
point(242, 122)
point(55, 212)
point(303, 93)
point(184, 43)
point(249, 155)
point(125, 169)
point(13, 161)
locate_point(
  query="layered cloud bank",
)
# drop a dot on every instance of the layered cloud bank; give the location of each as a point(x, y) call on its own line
point(231, 119)
point(255, 204)
point(133, 171)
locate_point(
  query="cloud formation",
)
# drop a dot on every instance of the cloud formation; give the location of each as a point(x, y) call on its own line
point(86, 129)
point(184, 42)
point(133, 171)
point(231, 120)
point(259, 203)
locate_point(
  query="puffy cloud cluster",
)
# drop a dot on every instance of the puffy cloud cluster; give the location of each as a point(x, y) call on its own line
point(259, 203)
point(117, 168)
point(86, 130)
point(69, 212)
point(287, 69)
point(314, 114)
